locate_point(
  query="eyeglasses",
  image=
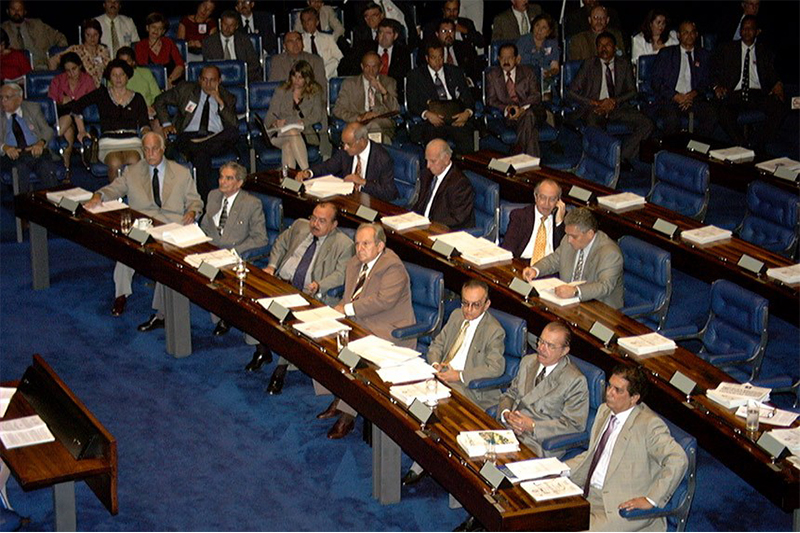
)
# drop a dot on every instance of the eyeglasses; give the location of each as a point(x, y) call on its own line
point(446, 31)
point(314, 218)
point(548, 199)
point(473, 305)
point(550, 345)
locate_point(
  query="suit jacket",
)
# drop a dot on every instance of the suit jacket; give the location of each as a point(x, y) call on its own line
point(282, 107)
point(327, 49)
point(380, 171)
point(505, 26)
point(178, 193)
point(727, 64)
point(473, 37)
point(484, 358)
point(262, 23)
point(453, 203)
point(242, 47)
point(646, 461)
point(466, 57)
point(399, 63)
point(602, 269)
point(587, 83)
point(577, 20)
point(245, 227)
point(526, 84)
point(421, 88)
point(520, 229)
point(42, 38)
point(34, 118)
point(281, 65)
point(188, 91)
point(667, 68)
point(332, 257)
point(328, 22)
point(558, 405)
point(584, 44)
point(350, 103)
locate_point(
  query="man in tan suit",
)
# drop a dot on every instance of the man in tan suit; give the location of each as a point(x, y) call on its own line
point(583, 45)
point(362, 98)
point(632, 461)
point(31, 34)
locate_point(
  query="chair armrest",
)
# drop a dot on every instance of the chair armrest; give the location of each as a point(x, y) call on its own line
point(477, 231)
point(256, 253)
point(490, 383)
point(411, 332)
point(565, 441)
point(336, 292)
point(636, 311)
point(641, 514)
point(728, 358)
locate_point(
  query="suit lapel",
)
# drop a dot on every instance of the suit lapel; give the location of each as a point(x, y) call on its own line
point(169, 182)
point(621, 443)
point(360, 90)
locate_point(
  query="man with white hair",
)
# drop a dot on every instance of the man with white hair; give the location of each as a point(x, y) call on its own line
point(445, 194)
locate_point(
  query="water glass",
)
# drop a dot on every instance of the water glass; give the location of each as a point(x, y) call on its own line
point(431, 390)
point(342, 339)
point(125, 222)
point(752, 416)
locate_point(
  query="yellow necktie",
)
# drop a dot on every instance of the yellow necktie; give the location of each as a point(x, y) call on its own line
point(457, 344)
point(540, 244)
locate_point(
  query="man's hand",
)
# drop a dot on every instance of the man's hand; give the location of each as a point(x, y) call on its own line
point(461, 118)
point(340, 308)
point(312, 288)
point(460, 28)
point(605, 106)
point(169, 129)
point(37, 149)
point(636, 503)
point(303, 175)
point(720, 92)
point(561, 211)
point(513, 111)
point(94, 201)
point(376, 84)
point(566, 291)
point(519, 422)
point(529, 273)
point(448, 375)
point(777, 91)
point(355, 178)
point(270, 270)
point(188, 218)
point(435, 119)
point(12, 152)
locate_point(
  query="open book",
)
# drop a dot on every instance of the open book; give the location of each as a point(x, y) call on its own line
point(24, 431)
point(789, 274)
point(476, 443)
point(546, 287)
point(179, 235)
point(476, 250)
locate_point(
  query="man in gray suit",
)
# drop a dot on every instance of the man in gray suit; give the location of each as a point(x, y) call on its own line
point(228, 43)
point(31, 34)
point(514, 22)
point(586, 255)
point(632, 461)
point(158, 188)
point(281, 64)
point(582, 45)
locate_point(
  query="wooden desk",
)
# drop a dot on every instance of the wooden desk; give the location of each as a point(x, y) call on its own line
point(709, 262)
point(52, 464)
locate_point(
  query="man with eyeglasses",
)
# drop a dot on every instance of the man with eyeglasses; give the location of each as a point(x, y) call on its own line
point(281, 64)
point(456, 53)
point(537, 230)
point(469, 347)
point(582, 45)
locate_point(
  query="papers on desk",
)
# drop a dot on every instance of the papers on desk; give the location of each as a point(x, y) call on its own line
point(412, 370)
point(645, 344)
point(622, 200)
point(546, 287)
point(318, 313)
point(476, 250)
point(770, 415)
point(706, 234)
point(519, 163)
point(77, 193)
point(321, 328)
point(382, 352)
point(327, 186)
point(217, 258)
point(475, 443)
point(536, 469)
point(179, 235)
point(104, 207)
point(551, 489)
point(25, 431)
point(290, 301)
point(734, 154)
point(405, 221)
point(788, 275)
point(782, 162)
point(736, 394)
point(789, 438)
point(288, 127)
point(418, 391)
point(5, 399)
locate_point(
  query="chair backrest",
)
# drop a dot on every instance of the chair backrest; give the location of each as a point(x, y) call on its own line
point(273, 214)
point(260, 95)
point(486, 204)
point(406, 175)
point(505, 216)
point(570, 70)
point(681, 501)
point(601, 157)
point(183, 49)
point(644, 73)
point(334, 86)
point(596, 382)
point(256, 41)
point(427, 296)
point(160, 74)
point(680, 183)
point(493, 51)
point(37, 82)
point(232, 72)
point(516, 339)
point(242, 109)
point(647, 280)
point(267, 66)
point(55, 50)
point(172, 31)
point(771, 220)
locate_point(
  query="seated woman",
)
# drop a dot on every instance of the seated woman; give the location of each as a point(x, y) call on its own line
point(70, 85)
point(95, 56)
point(160, 50)
point(652, 39)
point(540, 49)
point(123, 118)
point(194, 28)
point(297, 101)
point(142, 82)
point(13, 63)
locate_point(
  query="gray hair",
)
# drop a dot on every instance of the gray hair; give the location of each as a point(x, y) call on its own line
point(360, 132)
point(551, 182)
point(15, 87)
point(161, 142)
point(582, 218)
point(241, 172)
point(380, 234)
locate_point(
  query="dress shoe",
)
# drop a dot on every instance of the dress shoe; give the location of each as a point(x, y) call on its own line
point(412, 478)
point(261, 357)
point(276, 381)
point(342, 427)
point(152, 323)
point(119, 305)
point(470, 524)
point(331, 411)
point(221, 329)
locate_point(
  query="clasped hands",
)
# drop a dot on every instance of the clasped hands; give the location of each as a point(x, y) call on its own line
point(437, 120)
point(604, 106)
point(445, 373)
point(312, 288)
point(518, 422)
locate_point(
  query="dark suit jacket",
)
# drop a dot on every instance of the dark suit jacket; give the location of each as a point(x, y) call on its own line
point(421, 88)
point(586, 85)
point(467, 59)
point(243, 48)
point(727, 64)
point(189, 91)
point(520, 228)
point(526, 83)
point(505, 26)
point(667, 68)
point(453, 204)
point(263, 27)
point(380, 171)
point(472, 37)
point(245, 227)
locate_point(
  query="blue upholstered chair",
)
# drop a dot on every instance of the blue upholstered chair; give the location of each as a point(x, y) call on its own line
point(600, 160)
point(160, 74)
point(681, 184)
point(505, 217)
point(487, 204)
point(183, 50)
point(37, 83)
point(232, 71)
point(427, 299)
point(644, 74)
point(515, 344)
point(771, 219)
point(647, 280)
point(256, 41)
point(406, 175)
point(335, 125)
point(273, 216)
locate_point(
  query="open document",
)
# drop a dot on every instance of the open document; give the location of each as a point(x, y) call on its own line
point(476, 250)
point(290, 301)
point(412, 370)
point(381, 352)
point(179, 235)
point(550, 489)
point(419, 391)
point(25, 431)
point(546, 287)
point(217, 258)
point(735, 394)
point(534, 469)
point(327, 186)
point(105, 207)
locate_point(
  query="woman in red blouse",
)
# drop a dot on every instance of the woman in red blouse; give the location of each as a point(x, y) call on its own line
point(195, 28)
point(13, 63)
point(160, 50)
point(71, 84)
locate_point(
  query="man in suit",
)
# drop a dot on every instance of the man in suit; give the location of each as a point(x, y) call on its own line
point(537, 230)
point(31, 34)
point(24, 134)
point(362, 162)
point(465, 28)
point(281, 64)
point(365, 97)
point(160, 189)
point(312, 255)
point(319, 43)
point(433, 86)
point(514, 22)
point(583, 45)
point(372, 15)
point(234, 219)
point(729, 21)
point(257, 22)
point(514, 89)
point(456, 53)
point(445, 194)
point(681, 77)
point(632, 461)
point(205, 123)
point(118, 30)
point(756, 88)
point(377, 295)
point(394, 55)
point(579, 20)
point(228, 43)
point(603, 88)
point(328, 20)
point(587, 255)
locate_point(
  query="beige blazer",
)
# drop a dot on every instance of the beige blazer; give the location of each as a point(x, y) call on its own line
point(282, 107)
point(350, 103)
point(245, 227)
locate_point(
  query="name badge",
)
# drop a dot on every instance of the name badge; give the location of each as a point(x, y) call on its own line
point(202, 28)
point(190, 107)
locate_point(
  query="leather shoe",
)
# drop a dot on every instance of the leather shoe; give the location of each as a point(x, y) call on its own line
point(152, 323)
point(276, 381)
point(412, 478)
point(222, 328)
point(119, 305)
point(470, 524)
point(261, 357)
point(330, 412)
point(342, 427)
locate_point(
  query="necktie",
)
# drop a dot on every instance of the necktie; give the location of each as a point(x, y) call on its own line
point(371, 98)
point(511, 88)
point(578, 273)
point(156, 188)
point(385, 62)
point(746, 77)
point(358, 167)
point(114, 38)
point(19, 36)
point(313, 46)
point(539, 378)
point(691, 66)
point(449, 55)
point(247, 28)
point(362, 278)
point(223, 216)
point(19, 134)
point(599, 452)
point(204, 116)
point(228, 55)
point(525, 25)
point(299, 278)
point(540, 244)
point(429, 204)
point(462, 333)
point(609, 81)
point(440, 90)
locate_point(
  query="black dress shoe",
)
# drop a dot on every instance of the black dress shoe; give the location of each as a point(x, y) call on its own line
point(119, 305)
point(470, 524)
point(261, 357)
point(412, 478)
point(222, 328)
point(152, 323)
point(342, 427)
point(276, 381)
point(330, 412)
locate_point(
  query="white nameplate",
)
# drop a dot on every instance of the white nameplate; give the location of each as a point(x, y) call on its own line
point(682, 383)
point(291, 184)
point(521, 287)
point(366, 213)
point(493, 475)
point(602, 332)
point(770, 444)
point(499, 166)
point(349, 357)
point(208, 270)
point(667, 228)
point(751, 263)
point(579, 193)
point(697, 146)
point(278, 311)
point(138, 235)
point(786, 173)
point(420, 411)
point(441, 247)
point(69, 204)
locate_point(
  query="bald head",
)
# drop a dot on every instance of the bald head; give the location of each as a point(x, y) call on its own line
point(437, 155)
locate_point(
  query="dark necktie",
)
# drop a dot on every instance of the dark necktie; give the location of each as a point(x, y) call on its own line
point(204, 116)
point(577, 274)
point(362, 278)
point(247, 28)
point(223, 216)
point(156, 188)
point(19, 36)
point(746, 76)
point(313, 46)
point(19, 134)
point(599, 452)
point(610, 81)
point(539, 378)
point(450, 59)
point(511, 87)
point(385, 62)
point(440, 90)
point(298, 280)
point(691, 67)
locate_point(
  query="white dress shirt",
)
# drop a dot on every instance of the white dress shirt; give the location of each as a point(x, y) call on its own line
point(754, 81)
point(349, 310)
point(684, 84)
point(364, 157)
point(230, 199)
point(326, 49)
point(127, 34)
point(600, 471)
point(437, 181)
point(214, 120)
point(527, 253)
point(518, 15)
point(459, 360)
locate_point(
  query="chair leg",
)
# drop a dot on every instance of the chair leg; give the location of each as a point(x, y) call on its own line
point(15, 189)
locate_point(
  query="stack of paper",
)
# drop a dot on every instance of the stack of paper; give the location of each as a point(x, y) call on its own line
point(546, 289)
point(475, 443)
point(318, 313)
point(789, 438)
point(621, 201)
point(290, 301)
point(645, 344)
point(405, 221)
point(78, 194)
point(535, 469)
point(24, 431)
point(706, 234)
point(770, 415)
point(217, 258)
point(418, 391)
point(179, 235)
point(736, 394)
point(774, 164)
point(327, 186)
point(788, 275)
point(321, 328)
point(734, 154)
point(104, 207)
point(476, 250)
point(5, 399)
point(409, 372)
point(382, 352)
point(519, 162)
point(550, 489)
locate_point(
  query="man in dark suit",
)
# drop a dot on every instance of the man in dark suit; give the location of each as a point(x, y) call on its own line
point(603, 87)
point(681, 77)
point(514, 89)
point(372, 16)
point(205, 123)
point(457, 53)
point(257, 22)
point(729, 19)
point(445, 194)
point(394, 55)
point(362, 162)
point(230, 44)
point(465, 28)
point(441, 85)
point(755, 88)
point(537, 230)
point(515, 22)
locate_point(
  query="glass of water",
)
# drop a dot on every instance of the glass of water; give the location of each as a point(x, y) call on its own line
point(342, 339)
point(125, 222)
point(431, 390)
point(753, 412)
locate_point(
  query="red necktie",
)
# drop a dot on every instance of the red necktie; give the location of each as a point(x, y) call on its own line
point(385, 62)
point(511, 87)
point(449, 55)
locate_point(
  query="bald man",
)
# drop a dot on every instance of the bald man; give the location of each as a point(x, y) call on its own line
point(445, 196)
